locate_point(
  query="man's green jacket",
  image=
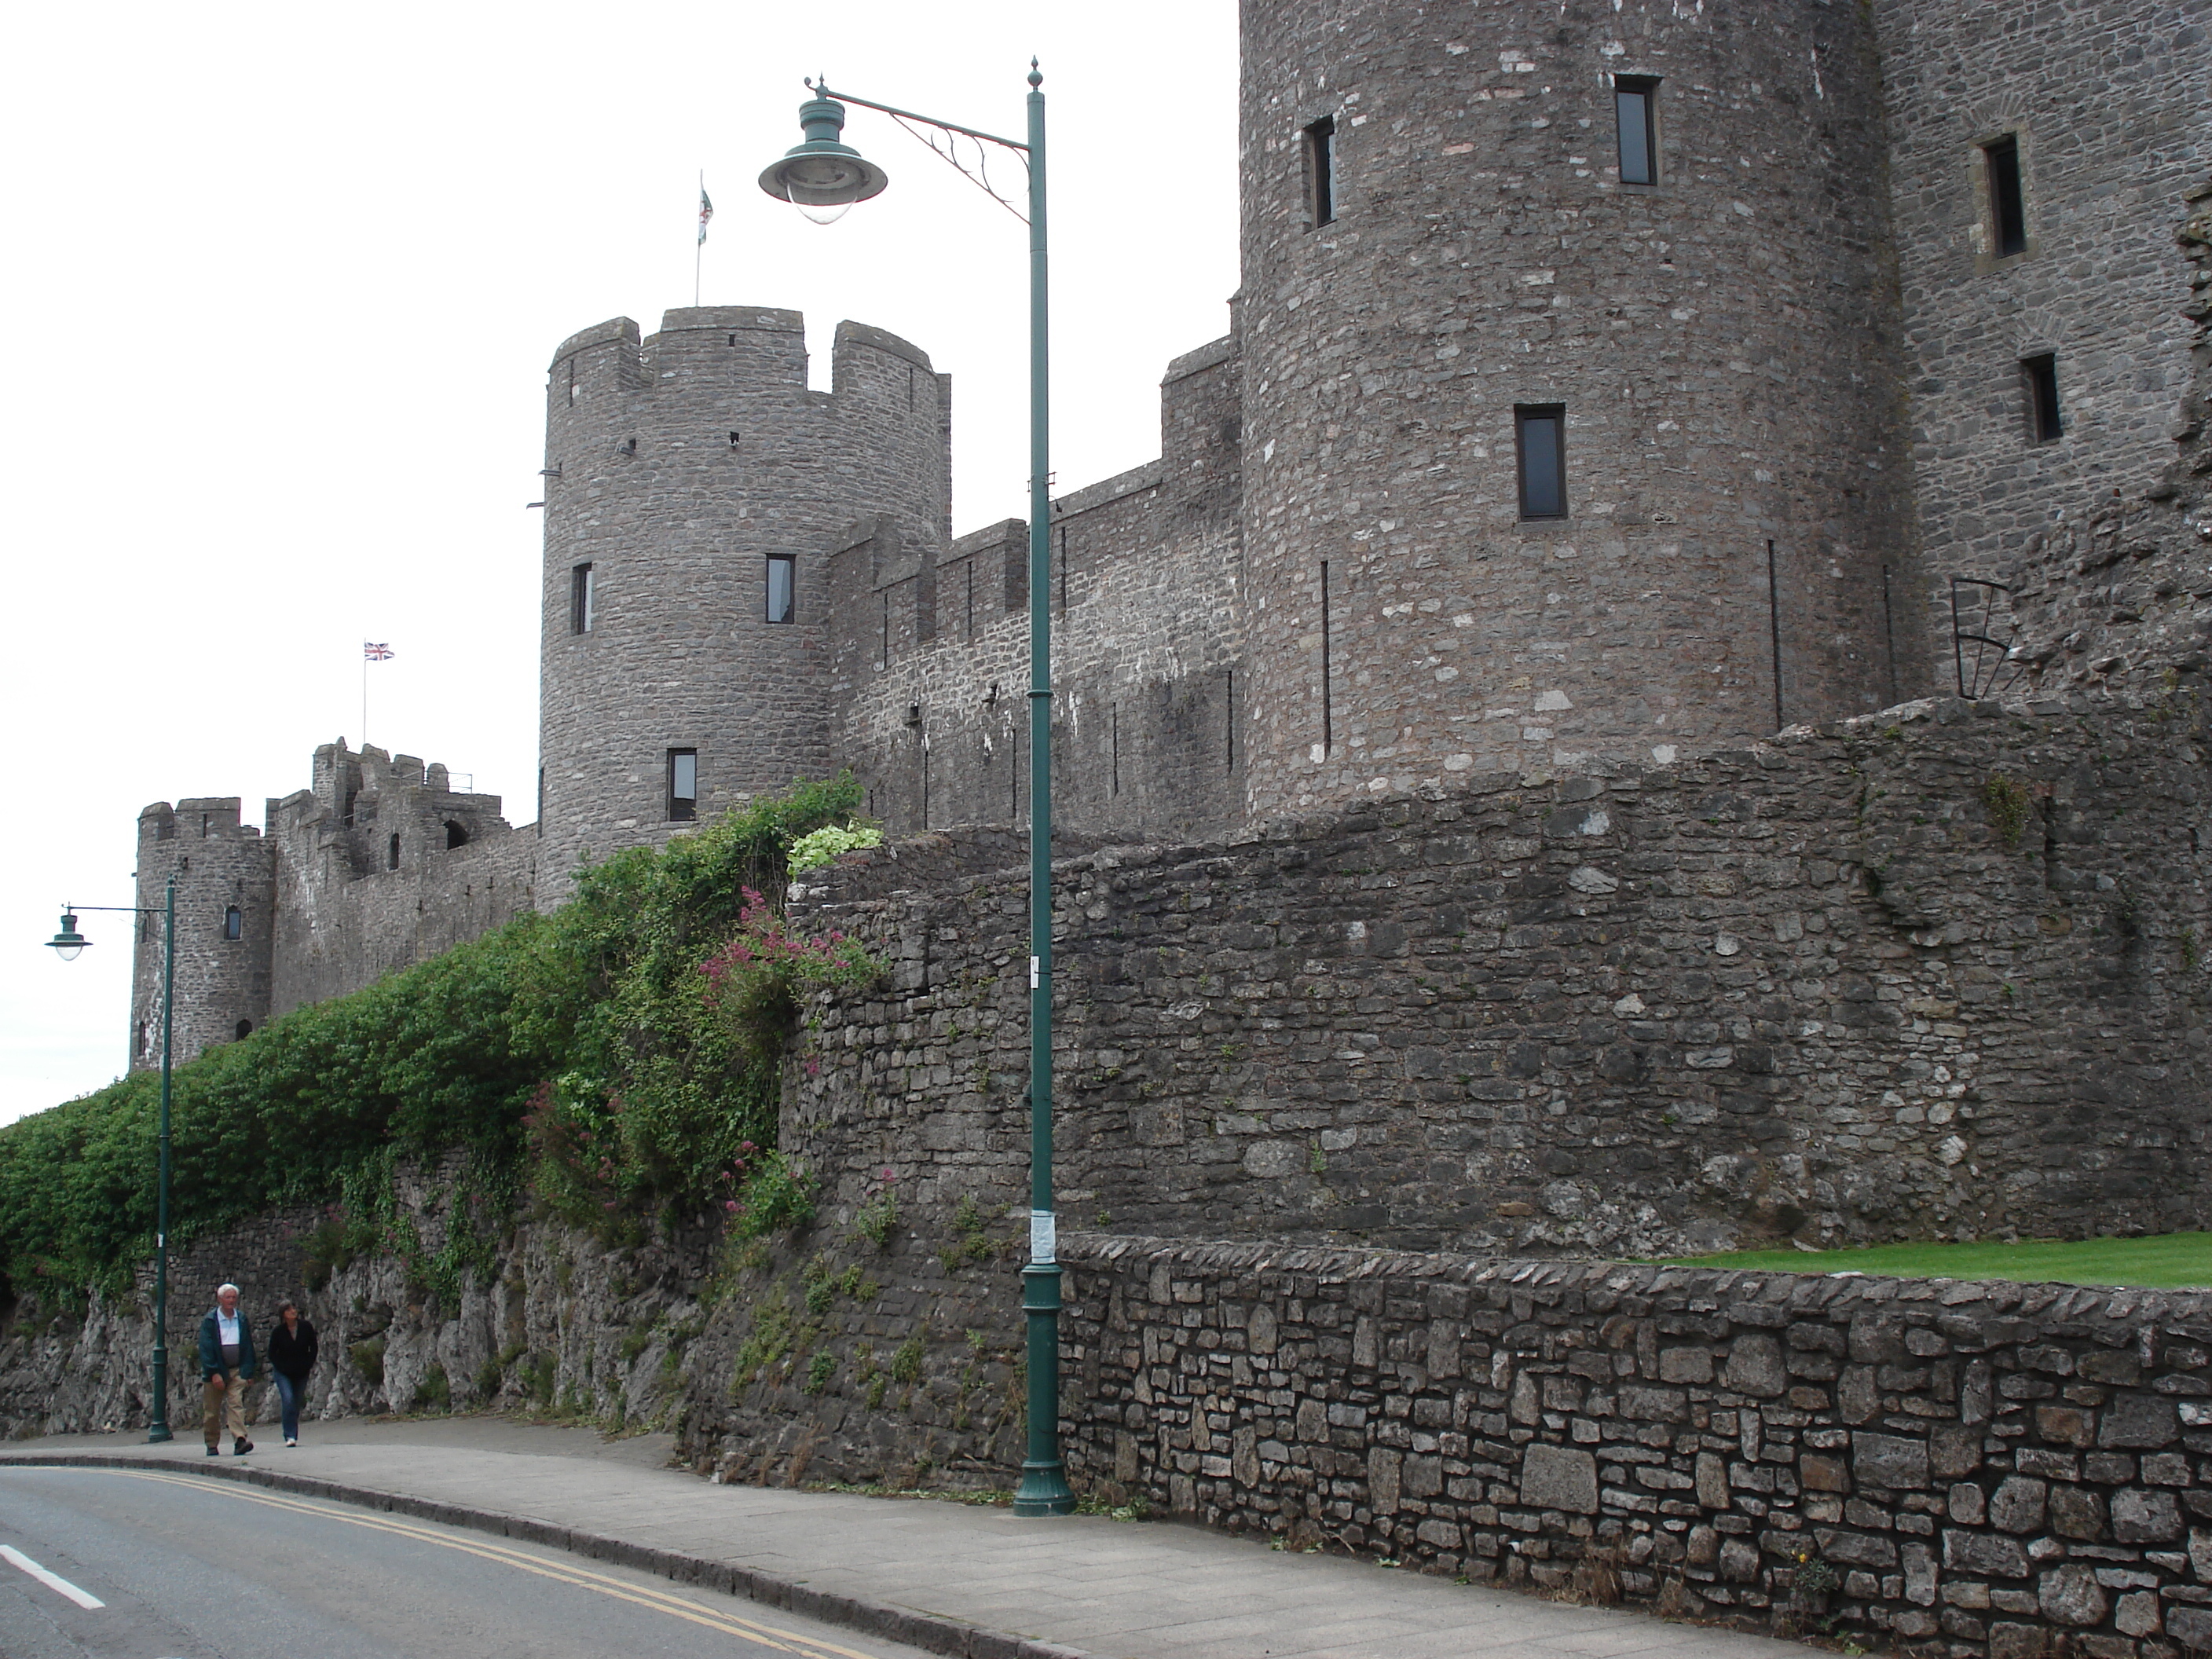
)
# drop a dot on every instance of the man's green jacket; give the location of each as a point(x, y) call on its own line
point(212, 1346)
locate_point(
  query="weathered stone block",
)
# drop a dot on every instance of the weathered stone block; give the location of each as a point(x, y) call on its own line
point(1889, 1461)
point(1558, 1478)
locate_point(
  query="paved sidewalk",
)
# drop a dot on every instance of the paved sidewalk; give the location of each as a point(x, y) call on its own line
point(947, 1578)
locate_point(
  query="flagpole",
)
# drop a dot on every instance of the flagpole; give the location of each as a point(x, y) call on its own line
point(699, 247)
point(364, 696)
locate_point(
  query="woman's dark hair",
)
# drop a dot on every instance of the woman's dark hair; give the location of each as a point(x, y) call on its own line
point(284, 1307)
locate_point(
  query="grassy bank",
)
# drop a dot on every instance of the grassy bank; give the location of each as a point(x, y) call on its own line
point(2168, 1261)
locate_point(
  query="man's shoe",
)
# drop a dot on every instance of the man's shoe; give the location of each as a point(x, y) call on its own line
point(241, 1449)
point(291, 1443)
point(215, 1451)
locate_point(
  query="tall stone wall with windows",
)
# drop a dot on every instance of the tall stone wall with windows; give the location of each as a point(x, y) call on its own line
point(378, 864)
point(676, 466)
point(2107, 105)
point(1724, 343)
point(930, 652)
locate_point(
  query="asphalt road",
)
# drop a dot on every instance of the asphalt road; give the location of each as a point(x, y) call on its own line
point(192, 1569)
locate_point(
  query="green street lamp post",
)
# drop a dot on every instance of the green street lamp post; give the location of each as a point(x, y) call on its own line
point(66, 944)
point(822, 177)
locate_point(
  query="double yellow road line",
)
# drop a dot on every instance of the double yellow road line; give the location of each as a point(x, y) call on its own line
point(676, 1606)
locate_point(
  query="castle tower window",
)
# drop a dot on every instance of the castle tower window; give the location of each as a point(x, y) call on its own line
point(392, 854)
point(234, 923)
point(2007, 206)
point(1634, 98)
point(782, 585)
point(1539, 442)
point(733, 439)
point(457, 836)
point(581, 592)
point(1321, 172)
point(2039, 381)
point(683, 785)
point(244, 1028)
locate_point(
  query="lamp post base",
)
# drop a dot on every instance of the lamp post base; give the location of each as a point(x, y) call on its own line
point(1044, 1489)
point(157, 1429)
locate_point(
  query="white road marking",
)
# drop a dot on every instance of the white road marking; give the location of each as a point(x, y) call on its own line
point(53, 1581)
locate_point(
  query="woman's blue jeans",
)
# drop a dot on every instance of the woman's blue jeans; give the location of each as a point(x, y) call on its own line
point(287, 1393)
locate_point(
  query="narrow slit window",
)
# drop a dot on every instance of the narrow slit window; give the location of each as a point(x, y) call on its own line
point(782, 583)
point(1327, 731)
point(234, 923)
point(392, 854)
point(1634, 97)
point(1539, 442)
point(581, 595)
point(683, 785)
point(2040, 381)
point(1321, 170)
point(2007, 206)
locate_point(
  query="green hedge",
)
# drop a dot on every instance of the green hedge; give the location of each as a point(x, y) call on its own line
point(598, 1012)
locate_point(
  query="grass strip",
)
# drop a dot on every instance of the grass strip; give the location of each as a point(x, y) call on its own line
point(2166, 1261)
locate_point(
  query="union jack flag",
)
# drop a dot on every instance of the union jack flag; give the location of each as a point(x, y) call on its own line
point(375, 653)
point(706, 210)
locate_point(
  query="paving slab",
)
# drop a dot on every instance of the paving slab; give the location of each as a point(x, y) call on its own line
point(949, 1577)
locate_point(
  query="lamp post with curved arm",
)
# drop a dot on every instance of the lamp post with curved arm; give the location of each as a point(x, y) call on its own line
point(66, 945)
point(822, 177)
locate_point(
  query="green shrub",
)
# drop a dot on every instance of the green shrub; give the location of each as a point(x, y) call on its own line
point(434, 1392)
point(906, 1364)
point(818, 847)
point(538, 1376)
point(582, 1055)
point(367, 1358)
point(971, 1241)
point(777, 1196)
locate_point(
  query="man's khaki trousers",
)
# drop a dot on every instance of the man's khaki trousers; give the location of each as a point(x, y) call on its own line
point(227, 1401)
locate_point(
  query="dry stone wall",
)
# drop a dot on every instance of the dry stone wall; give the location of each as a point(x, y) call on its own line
point(1952, 1468)
point(1934, 972)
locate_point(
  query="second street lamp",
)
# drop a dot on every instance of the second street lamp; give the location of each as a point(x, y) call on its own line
point(822, 177)
point(67, 946)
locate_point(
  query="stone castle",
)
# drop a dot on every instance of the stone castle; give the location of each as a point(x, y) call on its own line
point(1609, 384)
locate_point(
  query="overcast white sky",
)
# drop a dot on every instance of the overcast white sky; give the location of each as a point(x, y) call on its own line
point(284, 283)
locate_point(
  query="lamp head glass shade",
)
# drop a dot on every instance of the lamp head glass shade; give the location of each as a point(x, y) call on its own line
point(67, 943)
point(823, 176)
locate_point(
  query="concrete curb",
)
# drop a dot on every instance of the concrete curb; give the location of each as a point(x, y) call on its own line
point(929, 1631)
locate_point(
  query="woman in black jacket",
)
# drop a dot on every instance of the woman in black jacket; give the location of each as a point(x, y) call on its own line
point(291, 1356)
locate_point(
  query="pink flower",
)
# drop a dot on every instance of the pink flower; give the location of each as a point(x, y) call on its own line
point(731, 1204)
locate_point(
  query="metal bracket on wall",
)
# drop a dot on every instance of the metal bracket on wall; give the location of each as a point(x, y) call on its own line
point(1981, 637)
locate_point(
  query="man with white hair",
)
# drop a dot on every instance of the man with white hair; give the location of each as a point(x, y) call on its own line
point(226, 1365)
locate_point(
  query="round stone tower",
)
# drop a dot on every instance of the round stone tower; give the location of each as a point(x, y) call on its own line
point(696, 490)
point(225, 872)
point(1570, 359)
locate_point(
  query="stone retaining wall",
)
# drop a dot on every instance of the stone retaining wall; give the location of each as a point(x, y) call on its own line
point(1936, 972)
point(1986, 1469)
